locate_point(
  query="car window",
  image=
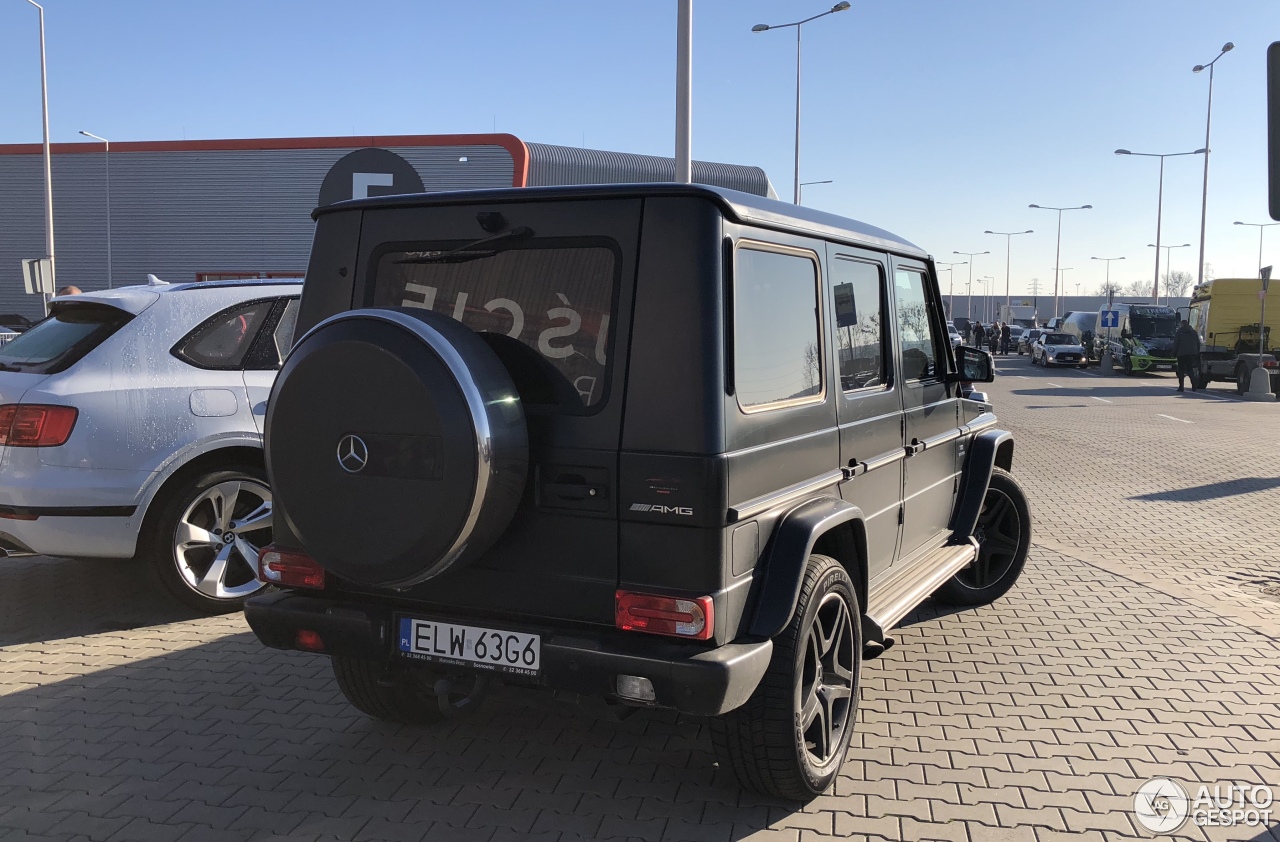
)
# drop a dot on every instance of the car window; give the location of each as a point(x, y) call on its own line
point(223, 341)
point(56, 343)
point(861, 328)
point(1059, 339)
point(776, 332)
point(282, 336)
point(544, 309)
point(918, 346)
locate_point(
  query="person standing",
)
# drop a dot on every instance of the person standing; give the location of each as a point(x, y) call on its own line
point(978, 334)
point(1186, 347)
point(1004, 338)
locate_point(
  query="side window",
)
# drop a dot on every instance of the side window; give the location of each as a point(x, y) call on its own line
point(223, 341)
point(282, 336)
point(861, 324)
point(777, 338)
point(915, 327)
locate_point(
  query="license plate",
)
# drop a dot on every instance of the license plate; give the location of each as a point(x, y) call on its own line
point(1164, 368)
point(470, 646)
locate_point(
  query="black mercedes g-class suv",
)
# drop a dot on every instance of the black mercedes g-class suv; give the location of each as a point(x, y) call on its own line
point(668, 445)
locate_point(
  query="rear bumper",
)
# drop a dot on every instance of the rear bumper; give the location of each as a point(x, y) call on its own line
point(692, 680)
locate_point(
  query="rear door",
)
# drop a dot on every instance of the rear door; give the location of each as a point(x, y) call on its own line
point(552, 297)
point(869, 402)
point(931, 409)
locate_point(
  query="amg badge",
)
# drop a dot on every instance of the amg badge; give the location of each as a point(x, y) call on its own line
point(662, 510)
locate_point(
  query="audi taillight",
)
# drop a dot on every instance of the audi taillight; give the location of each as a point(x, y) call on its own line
point(36, 425)
point(289, 568)
point(687, 617)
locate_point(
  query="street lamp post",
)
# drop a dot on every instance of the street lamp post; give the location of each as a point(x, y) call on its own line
point(951, 296)
point(1168, 263)
point(48, 166)
point(1208, 120)
point(684, 91)
point(107, 159)
point(1155, 284)
point(986, 281)
point(968, 296)
point(1057, 259)
point(1260, 226)
point(1107, 287)
point(805, 184)
point(1063, 271)
point(971, 255)
point(1008, 240)
point(764, 27)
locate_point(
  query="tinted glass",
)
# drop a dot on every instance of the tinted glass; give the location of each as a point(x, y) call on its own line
point(1059, 339)
point(66, 336)
point(544, 311)
point(1153, 327)
point(776, 337)
point(860, 323)
point(915, 329)
point(223, 341)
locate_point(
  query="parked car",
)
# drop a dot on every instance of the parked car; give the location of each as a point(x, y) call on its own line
point(660, 431)
point(956, 339)
point(964, 325)
point(1028, 337)
point(1058, 349)
point(133, 423)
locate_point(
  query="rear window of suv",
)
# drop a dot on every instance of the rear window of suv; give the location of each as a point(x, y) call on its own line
point(545, 308)
point(56, 343)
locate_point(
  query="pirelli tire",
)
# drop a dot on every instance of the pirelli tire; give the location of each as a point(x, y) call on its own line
point(396, 445)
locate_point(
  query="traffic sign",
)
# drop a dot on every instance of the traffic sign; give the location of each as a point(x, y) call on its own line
point(37, 275)
point(1109, 318)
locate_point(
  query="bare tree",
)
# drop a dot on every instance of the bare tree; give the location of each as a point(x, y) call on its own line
point(1136, 288)
point(1176, 284)
point(1109, 288)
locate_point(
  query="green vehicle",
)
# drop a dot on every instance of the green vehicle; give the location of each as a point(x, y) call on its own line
point(1143, 340)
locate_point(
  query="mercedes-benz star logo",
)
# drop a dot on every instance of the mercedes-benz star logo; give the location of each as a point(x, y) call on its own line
point(353, 453)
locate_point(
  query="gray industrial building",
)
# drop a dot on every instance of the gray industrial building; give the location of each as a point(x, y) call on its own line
point(206, 210)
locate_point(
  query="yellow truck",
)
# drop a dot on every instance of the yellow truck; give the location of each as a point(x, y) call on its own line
point(1225, 313)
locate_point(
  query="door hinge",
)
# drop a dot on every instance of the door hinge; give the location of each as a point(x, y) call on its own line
point(900, 518)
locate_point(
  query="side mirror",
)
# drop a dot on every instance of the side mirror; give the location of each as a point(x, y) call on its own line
point(976, 366)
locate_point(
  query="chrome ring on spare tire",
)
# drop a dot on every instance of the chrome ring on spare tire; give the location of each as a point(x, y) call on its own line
point(215, 546)
point(825, 692)
point(426, 450)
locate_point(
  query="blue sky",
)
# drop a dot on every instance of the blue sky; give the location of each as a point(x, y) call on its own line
point(936, 119)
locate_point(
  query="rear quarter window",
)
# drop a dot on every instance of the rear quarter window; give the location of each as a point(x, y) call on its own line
point(545, 308)
point(66, 336)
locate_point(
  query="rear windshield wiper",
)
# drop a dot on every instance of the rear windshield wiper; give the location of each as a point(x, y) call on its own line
point(465, 252)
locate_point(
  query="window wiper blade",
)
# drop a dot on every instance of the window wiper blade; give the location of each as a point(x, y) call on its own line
point(8, 367)
point(466, 252)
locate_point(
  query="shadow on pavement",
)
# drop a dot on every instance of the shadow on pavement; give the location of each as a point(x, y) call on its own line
point(1101, 391)
point(1213, 490)
point(248, 741)
point(53, 598)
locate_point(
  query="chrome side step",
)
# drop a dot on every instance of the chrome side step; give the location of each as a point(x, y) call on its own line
point(896, 598)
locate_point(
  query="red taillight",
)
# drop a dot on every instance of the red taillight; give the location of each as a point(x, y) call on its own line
point(689, 617)
point(285, 567)
point(307, 639)
point(1271, 364)
point(36, 425)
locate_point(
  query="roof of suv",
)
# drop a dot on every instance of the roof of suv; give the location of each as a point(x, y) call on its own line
point(742, 207)
point(135, 299)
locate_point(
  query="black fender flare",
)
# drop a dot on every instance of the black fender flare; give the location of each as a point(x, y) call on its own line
point(788, 553)
point(989, 449)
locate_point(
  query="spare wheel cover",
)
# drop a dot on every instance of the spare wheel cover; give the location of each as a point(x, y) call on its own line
point(396, 445)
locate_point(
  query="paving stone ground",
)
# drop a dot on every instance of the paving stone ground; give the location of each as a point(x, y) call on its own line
point(1121, 655)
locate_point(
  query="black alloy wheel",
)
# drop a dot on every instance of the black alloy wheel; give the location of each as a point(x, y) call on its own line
point(824, 695)
point(1003, 535)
